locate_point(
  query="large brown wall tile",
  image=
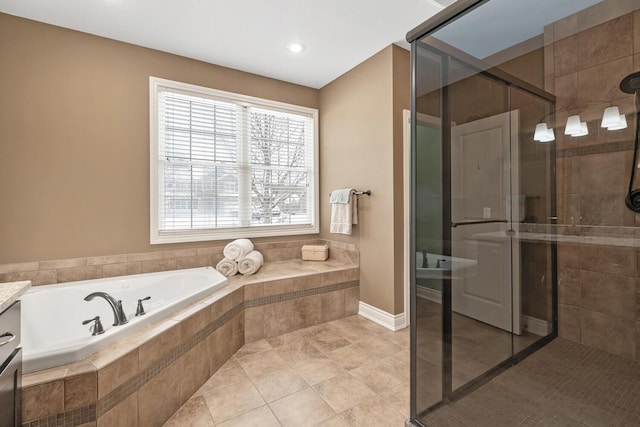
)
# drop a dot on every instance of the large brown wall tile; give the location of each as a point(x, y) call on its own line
point(609, 333)
point(569, 291)
point(117, 373)
point(123, 414)
point(157, 399)
point(607, 293)
point(569, 323)
point(565, 55)
point(608, 259)
point(42, 400)
point(606, 42)
point(601, 83)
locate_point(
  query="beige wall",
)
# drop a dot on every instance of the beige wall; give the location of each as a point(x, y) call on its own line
point(361, 147)
point(74, 147)
point(74, 138)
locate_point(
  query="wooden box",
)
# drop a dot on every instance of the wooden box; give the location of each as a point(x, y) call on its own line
point(315, 252)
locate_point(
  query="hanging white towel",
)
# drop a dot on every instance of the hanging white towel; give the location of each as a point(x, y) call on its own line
point(227, 267)
point(237, 249)
point(344, 211)
point(251, 263)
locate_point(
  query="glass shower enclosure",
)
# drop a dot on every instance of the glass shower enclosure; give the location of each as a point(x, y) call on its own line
point(483, 182)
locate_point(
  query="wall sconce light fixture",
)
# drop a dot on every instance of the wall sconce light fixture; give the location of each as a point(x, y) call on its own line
point(613, 120)
point(575, 127)
point(543, 133)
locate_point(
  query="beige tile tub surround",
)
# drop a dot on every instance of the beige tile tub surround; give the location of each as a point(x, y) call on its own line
point(120, 384)
point(48, 272)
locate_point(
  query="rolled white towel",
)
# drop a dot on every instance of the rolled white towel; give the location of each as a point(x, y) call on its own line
point(227, 267)
point(237, 249)
point(251, 263)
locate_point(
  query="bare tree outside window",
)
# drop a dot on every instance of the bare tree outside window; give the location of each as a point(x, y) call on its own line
point(230, 167)
point(279, 178)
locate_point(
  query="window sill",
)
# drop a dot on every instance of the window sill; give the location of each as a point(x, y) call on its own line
point(182, 236)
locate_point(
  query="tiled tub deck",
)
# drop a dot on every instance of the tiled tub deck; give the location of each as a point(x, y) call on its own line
point(144, 378)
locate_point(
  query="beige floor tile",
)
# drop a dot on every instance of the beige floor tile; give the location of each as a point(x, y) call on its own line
point(400, 363)
point(399, 398)
point(328, 341)
point(259, 417)
point(253, 348)
point(333, 422)
point(373, 413)
point(257, 364)
point(304, 408)
point(401, 338)
point(233, 400)
point(350, 330)
point(317, 370)
point(286, 339)
point(378, 376)
point(343, 392)
point(230, 373)
point(276, 384)
point(194, 413)
point(370, 326)
point(315, 330)
point(378, 346)
point(299, 351)
point(351, 357)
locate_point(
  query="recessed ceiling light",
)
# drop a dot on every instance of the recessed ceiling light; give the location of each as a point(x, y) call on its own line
point(295, 47)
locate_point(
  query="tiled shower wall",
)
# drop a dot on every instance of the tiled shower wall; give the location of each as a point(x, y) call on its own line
point(586, 57)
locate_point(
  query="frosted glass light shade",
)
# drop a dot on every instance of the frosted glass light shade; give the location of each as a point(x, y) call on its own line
point(543, 133)
point(575, 127)
point(613, 120)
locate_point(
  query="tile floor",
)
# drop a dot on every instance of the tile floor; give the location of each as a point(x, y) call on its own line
point(562, 385)
point(349, 372)
point(352, 372)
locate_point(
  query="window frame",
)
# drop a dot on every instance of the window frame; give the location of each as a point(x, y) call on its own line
point(158, 236)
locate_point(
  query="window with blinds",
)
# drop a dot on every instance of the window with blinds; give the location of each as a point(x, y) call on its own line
point(225, 165)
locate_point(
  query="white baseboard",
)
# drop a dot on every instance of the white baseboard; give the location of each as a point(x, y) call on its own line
point(532, 324)
point(429, 294)
point(535, 326)
point(382, 318)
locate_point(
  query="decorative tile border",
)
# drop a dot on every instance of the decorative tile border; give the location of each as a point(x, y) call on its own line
point(92, 412)
point(72, 418)
point(300, 294)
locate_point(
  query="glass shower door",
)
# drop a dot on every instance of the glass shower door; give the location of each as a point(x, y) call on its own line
point(484, 179)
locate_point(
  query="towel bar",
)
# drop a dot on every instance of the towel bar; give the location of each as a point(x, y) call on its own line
point(359, 193)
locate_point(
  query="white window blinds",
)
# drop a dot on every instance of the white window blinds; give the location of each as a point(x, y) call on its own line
point(226, 165)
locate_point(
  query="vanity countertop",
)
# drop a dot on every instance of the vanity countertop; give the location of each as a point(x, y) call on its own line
point(11, 291)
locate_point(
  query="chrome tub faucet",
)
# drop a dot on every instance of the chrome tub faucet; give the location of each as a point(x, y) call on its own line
point(119, 318)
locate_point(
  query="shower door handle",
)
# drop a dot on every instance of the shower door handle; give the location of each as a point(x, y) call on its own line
point(488, 221)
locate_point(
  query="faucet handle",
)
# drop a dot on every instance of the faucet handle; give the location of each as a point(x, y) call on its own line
point(96, 328)
point(140, 308)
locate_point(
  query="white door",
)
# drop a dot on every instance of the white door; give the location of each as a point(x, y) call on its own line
point(484, 176)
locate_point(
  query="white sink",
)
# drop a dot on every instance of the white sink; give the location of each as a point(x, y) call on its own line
point(443, 267)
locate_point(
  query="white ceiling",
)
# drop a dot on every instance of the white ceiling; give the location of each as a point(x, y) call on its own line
point(248, 35)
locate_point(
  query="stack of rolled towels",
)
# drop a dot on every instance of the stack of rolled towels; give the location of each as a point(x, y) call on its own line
point(240, 257)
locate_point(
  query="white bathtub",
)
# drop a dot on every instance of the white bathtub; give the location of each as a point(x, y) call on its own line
point(52, 315)
point(443, 266)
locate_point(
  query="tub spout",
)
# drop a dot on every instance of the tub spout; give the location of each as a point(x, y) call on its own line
point(119, 318)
